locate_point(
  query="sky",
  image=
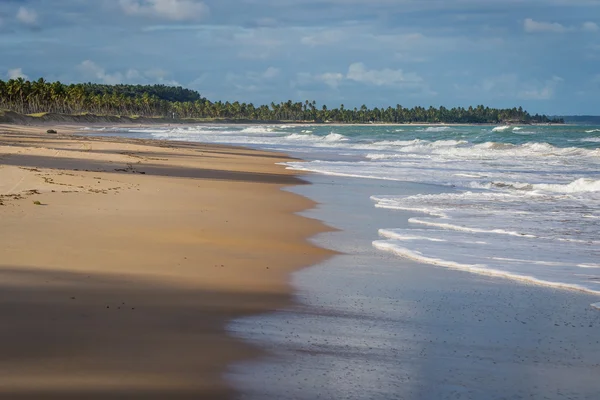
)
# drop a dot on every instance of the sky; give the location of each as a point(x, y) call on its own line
point(543, 55)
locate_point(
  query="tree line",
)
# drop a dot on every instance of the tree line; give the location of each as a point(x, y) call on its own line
point(33, 97)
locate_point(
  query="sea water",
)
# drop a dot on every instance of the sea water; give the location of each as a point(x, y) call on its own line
point(520, 202)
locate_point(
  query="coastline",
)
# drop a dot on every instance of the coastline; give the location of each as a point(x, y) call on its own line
point(122, 279)
point(48, 120)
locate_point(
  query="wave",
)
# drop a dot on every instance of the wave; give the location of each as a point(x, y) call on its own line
point(436, 129)
point(257, 129)
point(460, 228)
point(332, 137)
point(588, 265)
point(592, 131)
point(335, 137)
point(581, 185)
point(394, 235)
point(501, 128)
point(462, 149)
point(418, 145)
point(384, 143)
point(591, 139)
point(480, 269)
point(394, 205)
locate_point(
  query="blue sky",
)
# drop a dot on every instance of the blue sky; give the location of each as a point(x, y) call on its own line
point(541, 54)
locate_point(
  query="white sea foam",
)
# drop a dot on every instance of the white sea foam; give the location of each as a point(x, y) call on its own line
point(481, 269)
point(332, 137)
point(460, 228)
point(257, 129)
point(335, 137)
point(501, 128)
point(577, 186)
point(437, 129)
point(592, 130)
point(591, 139)
point(588, 265)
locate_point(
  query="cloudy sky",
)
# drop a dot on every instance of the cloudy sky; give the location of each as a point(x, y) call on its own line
point(541, 54)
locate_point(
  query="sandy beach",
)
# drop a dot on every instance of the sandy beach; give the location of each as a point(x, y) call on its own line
point(122, 261)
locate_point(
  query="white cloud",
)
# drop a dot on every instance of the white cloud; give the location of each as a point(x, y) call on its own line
point(532, 26)
point(176, 10)
point(271, 73)
point(92, 71)
point(16, 73)
point(500, 85)
point(331, 79)
point(358, 72)
point(511, 86)
point(27, 17)
point(322, 38)
point(250, 43)
point(252, 81)
point(385, 77)
point(590, 27)
point(545, 92)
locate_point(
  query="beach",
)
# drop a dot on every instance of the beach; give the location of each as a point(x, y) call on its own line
point(468, 266)
point(164, 262)
point(122, 261)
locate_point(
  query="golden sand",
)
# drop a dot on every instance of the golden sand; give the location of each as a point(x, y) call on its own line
point(121, 262)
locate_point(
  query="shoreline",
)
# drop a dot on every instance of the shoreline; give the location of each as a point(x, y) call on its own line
point(123, 276)
point(373, 323)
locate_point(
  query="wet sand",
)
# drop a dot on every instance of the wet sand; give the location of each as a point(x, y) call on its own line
point(122, 261)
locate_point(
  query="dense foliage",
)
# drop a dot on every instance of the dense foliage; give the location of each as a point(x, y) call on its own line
point(175, 102)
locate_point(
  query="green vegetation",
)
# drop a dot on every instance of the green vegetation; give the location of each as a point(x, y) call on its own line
point(159, 101)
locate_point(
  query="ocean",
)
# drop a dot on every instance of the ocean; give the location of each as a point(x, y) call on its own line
point(521, 202)
point(470, 263)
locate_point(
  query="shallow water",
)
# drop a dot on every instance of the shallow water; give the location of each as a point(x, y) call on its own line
point(369, 327)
